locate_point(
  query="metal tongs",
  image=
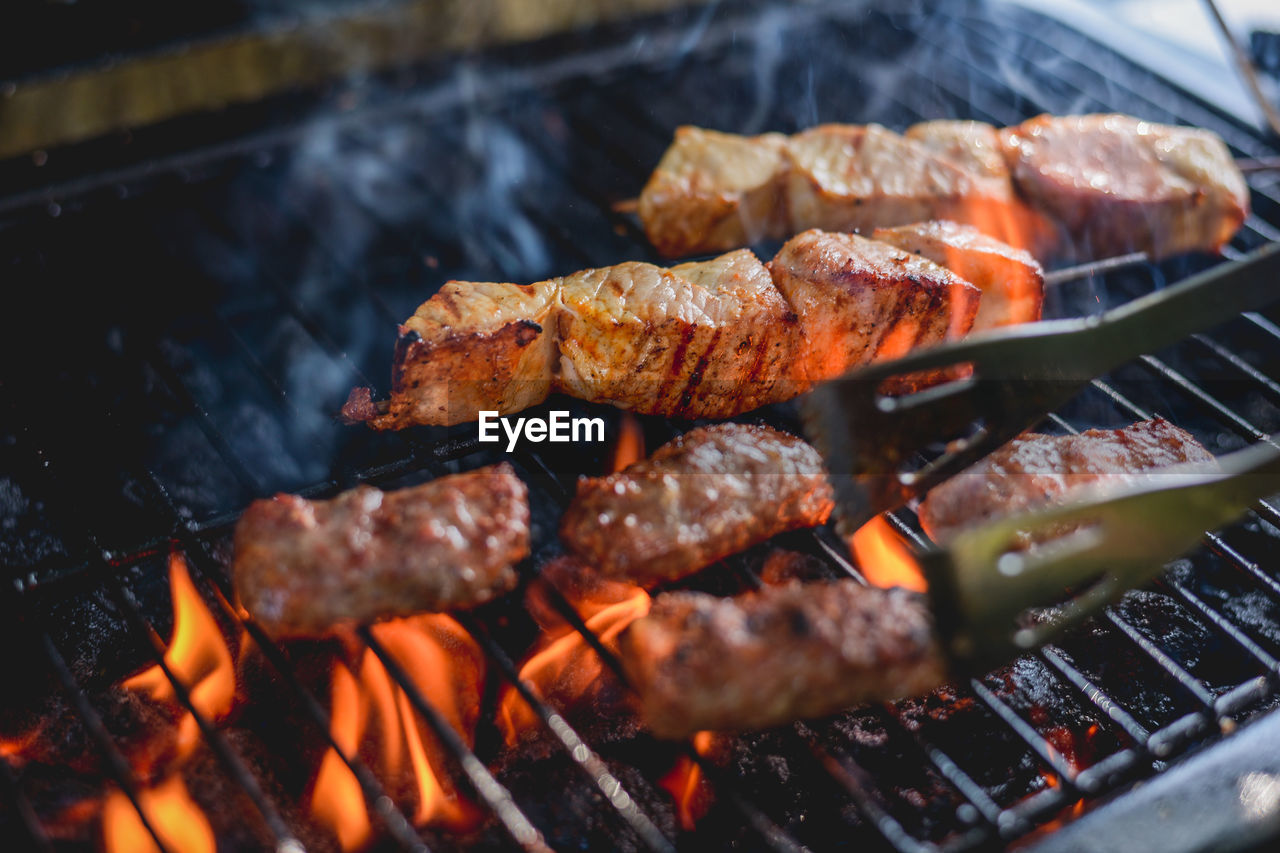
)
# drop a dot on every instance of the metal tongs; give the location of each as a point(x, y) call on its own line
point(1001, 384)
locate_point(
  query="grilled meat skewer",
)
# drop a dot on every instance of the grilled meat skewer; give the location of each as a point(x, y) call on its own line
point(782, 653)
point(705, 495)
point(1036, 471)
point(1075, 187)
point(710, 339)
point(303, 568)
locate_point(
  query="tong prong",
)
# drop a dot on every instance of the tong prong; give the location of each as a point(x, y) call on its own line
point(1005, 382)
point(986, 584)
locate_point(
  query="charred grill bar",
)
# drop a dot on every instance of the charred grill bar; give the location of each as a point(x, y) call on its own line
point(94, 569)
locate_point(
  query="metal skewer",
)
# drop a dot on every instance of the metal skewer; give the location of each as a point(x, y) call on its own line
point(1247, 70)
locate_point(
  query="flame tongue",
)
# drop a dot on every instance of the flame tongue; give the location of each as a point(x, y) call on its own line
point(692, 795)
point(198, 657)
point(883, 559)
point(563, 668)
point(373, 718)
point(175, 817)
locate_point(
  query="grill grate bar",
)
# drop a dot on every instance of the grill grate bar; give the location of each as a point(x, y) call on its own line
point(116, 763)
point(583, 755)
point(1268, 385)
point(227, 756)
point(36, 836)
point(1188, 682)
point(206, 566)
point(1226, 627)
point(495, 796)
point(1110, 708)
point(778, 838)
point(1038, 745)
point(1207, 401)
point(946, 766)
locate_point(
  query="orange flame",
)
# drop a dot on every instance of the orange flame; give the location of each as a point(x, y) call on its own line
point(177, 820)
point(1011, 294)
point(686, 785)
point(197, 656)
point(630, 445)
point(372, 717)
point(883, 559)
point(563, 667)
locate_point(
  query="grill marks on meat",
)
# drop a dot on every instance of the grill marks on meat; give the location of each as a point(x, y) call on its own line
point(1087, 186)
point(703, 496)
point(859, 300)
point(710, 339)
point(783, 653)
point(706, 339)
point(1036, 471)
point(1011, 281)
point(303, 568)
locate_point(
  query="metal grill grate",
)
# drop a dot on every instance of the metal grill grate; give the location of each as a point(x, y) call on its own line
point(307, 248)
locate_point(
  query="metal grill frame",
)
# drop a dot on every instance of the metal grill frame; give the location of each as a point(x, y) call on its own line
point(992, 823)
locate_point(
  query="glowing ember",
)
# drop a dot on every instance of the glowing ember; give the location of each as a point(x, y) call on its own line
point(690, 791)
point(883, 559)
point(177, 820)
point(197, 656)
point(372, 717)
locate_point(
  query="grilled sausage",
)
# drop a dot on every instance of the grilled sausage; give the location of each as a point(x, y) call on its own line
point(783, 653)
point(703, 496)
point(304, 568)
point(700, 340)
point(1035, 471)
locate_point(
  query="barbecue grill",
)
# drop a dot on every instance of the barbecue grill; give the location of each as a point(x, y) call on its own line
point(204, 291)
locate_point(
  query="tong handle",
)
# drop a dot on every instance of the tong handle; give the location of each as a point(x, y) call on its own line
point(984, 581)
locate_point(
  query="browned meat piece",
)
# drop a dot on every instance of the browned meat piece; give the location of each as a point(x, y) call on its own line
point(970, 145)
point(705, 495)
point(473, 346)
point(851, 178)
point(859, 300)
point(700, 340)
point(1080, 186)
point(304, 568)
point(1035, 471)
point(782, 653)
point(1011, 281)
point(1116, 184)
point(715, 191)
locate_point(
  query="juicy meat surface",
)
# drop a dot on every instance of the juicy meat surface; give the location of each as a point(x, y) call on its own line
point(710, 339)
point(1117, 184)
point(1036, 471)
point(716, 190)
point(1011, 281)
point(703, 496)
point(304, 568)
point(859, 300)
point(853, 178)
point(782, 653)
point(698, 340)
point(1075, 187)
